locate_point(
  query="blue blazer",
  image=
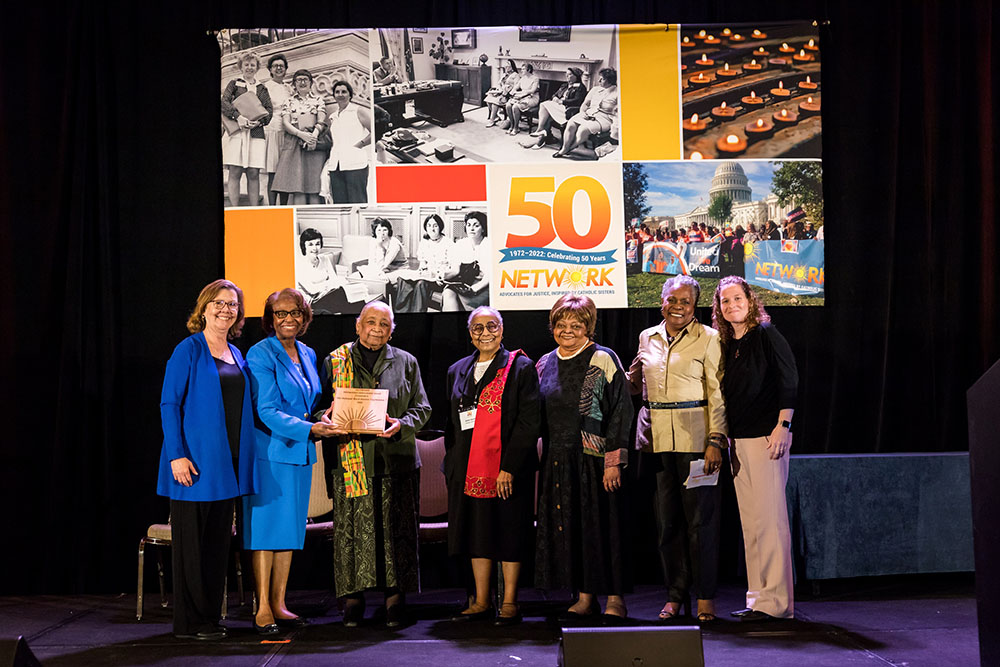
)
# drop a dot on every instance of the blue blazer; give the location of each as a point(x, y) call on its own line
point(194, 426)
point(285, 402)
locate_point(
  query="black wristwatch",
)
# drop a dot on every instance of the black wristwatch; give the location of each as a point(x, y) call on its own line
point(787, 424)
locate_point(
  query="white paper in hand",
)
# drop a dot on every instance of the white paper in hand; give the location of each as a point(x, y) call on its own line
point(697, 476)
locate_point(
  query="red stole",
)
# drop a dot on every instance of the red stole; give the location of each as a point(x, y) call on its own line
point(484, 452)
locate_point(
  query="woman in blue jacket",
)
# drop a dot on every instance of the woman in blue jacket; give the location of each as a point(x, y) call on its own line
point(285, 389)
point(207, 456)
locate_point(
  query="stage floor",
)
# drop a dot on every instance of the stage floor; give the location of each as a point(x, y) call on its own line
point(920, 620)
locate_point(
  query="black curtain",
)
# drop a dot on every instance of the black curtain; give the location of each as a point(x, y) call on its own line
point(111, 208)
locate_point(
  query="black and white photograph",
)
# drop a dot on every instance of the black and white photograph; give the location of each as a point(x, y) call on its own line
point(499, 94)
point(422, 258)
point(296, 116)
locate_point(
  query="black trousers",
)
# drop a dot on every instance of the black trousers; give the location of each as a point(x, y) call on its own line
point(200, 535)
point(687, 522)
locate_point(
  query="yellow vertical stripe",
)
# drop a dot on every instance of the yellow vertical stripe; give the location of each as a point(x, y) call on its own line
point(649, 91)
point(260, 253)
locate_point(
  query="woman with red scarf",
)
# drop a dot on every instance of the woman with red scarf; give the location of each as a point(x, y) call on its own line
point(491, 442)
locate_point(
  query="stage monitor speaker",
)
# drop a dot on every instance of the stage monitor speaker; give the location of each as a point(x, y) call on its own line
point(678, 646)
point(15, 653)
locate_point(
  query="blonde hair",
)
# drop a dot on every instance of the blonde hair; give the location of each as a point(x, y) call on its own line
point(196, 321)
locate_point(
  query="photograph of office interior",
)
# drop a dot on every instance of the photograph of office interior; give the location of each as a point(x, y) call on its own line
point(499, 94)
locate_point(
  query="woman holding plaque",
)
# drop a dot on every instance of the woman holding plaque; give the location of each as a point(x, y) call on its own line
point(374, 479)
point(301, 159)
point(586, 414)
point(491, 442)
point(285, 389)
point(244, 147)
point(207, 455)
point(760, 385)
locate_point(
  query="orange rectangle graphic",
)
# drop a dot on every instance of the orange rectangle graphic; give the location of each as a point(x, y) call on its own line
point(431, 183)
point(260, 253)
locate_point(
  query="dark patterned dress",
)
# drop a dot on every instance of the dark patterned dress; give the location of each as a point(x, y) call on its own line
point(582, 542)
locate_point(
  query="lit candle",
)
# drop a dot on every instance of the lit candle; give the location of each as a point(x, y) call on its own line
point(722, 112)
point(694, 125)
point(727, 33)
point(695, 155)
point(699, 81)
point(810, 107)
point(812, 47)
point(712, 40)
point(803, 57)
point(704, 61)
point(727, 73)
point(731, 145)
point(686, 43)
point(787, 50)
point(752, 101)
point(753, 66)
point(784, 118)
point(780, 91)
point(737, 38)
point(702, 34)
point(757, 34)
point(762, 129)
point(808, 84)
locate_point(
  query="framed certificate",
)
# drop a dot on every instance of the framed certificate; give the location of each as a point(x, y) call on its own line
point(360, 410)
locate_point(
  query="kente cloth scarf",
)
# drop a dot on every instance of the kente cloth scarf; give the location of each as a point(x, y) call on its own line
point(484, 452)
point(352, 458)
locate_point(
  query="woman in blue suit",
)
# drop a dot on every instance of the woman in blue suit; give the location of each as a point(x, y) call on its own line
point(285, 390)
point(207, 455)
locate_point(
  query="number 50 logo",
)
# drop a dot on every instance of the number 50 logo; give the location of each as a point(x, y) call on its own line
point(557, 220)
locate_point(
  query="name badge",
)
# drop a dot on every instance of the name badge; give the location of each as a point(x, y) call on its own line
point(467, 419)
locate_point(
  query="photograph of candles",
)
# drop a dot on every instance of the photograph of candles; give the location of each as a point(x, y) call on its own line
point(751, 91)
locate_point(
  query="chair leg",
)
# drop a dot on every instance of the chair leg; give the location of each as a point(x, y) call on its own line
point(163, 586)
point(138, 589)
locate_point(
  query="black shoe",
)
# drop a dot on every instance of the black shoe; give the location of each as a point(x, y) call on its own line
point(754, 615)
point(203, 636)
point(266, 630)
point(354, 612)
point(593, 614)
point(741, 613)
point(291, 623)
point(395, 615)
point(484, 615)
point(504, 621)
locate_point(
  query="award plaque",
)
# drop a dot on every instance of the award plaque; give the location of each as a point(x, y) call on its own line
point(360, 410)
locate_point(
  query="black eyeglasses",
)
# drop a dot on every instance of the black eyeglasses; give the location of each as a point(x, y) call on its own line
point(282, 314)
point(477, 329)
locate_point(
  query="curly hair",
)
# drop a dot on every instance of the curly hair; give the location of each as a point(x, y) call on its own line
point(575, 306)
point(755, 315)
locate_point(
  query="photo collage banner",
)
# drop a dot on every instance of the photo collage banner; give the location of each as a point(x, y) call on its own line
point(440, 169)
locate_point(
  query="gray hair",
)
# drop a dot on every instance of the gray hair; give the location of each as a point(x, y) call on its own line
point(485, 310)
point(378, 303)
point(680, 280)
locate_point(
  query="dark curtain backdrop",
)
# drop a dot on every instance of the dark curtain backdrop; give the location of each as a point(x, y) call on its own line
point(111, 208)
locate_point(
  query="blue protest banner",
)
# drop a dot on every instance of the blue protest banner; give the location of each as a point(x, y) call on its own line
point(790, 267)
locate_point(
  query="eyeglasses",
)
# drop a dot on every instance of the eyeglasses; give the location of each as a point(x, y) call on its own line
point(231, 305)
point(282, 314)
point(477, 329)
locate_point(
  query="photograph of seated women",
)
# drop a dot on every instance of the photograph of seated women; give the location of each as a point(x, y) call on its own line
point(497, 94)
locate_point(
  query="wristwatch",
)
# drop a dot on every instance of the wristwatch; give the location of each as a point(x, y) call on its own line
point(787, 424)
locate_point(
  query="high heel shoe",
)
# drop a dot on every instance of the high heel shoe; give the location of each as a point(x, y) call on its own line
point(683, 609)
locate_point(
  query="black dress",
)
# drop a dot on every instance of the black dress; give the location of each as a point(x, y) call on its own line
point(582, 541)
point(491, 527)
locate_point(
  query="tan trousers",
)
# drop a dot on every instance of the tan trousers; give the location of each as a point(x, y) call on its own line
point(760, 492)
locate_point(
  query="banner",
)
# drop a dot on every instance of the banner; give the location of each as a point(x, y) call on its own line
point(790, 267)
point(442, 168)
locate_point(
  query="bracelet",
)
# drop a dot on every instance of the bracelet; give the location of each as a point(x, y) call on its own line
point(718, 443)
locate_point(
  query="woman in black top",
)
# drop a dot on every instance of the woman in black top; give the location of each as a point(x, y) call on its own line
point(759, 386)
